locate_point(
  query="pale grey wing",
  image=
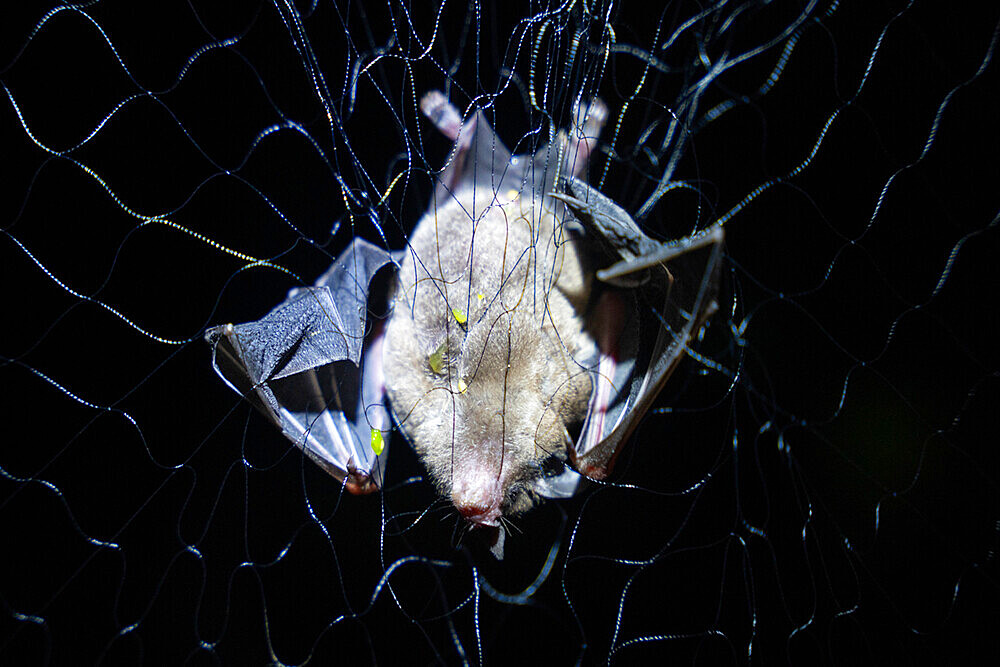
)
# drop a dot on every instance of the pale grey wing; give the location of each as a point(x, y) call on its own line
point(310, 366)
point(666, 292)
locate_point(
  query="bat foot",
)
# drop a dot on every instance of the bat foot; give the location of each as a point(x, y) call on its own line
point(446, 118)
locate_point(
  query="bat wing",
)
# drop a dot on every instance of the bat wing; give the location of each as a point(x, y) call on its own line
point(656, 300)
point(314, 370)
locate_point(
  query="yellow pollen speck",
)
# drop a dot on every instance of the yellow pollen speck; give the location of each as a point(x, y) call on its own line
point(436, 359)
point(461, 386)
point(459, 315)
point(513, 194)
point(480, 296)
point(378, 443)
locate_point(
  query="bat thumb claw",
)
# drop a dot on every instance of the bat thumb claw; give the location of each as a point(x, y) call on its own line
point(589, 470)
point(359, 482)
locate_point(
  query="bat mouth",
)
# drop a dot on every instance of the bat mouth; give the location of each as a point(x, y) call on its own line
point(480, 515)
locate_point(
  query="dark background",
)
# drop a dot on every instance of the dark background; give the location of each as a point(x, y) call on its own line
point(826, 494)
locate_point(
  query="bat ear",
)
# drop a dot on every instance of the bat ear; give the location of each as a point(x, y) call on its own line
point(568, 156)
point(588, 121)
point(313, 366)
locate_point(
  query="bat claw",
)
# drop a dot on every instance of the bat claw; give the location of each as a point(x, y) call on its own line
point(578, 206)
point(361, 485)
point(588, 470)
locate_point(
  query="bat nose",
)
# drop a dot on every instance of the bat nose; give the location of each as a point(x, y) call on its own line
point(478, 499)
point(480, 514)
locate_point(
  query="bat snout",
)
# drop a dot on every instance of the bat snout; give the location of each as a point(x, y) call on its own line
point(482, 516)
point(478, 498)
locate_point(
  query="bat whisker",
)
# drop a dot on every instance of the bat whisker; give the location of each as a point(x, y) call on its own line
point(509, 526)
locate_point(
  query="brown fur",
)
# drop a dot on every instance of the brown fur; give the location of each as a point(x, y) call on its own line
point(512, 376)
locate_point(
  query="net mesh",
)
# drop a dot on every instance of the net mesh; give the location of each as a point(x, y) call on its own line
point(818, 482)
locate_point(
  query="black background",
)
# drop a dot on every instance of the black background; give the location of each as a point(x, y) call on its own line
point(854, 522)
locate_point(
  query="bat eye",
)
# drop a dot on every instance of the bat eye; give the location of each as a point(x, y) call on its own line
point(553, 466)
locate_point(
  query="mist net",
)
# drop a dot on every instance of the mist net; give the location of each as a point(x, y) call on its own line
point(817, 483)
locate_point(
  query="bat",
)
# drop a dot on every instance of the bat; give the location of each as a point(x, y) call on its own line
point(532, 324)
